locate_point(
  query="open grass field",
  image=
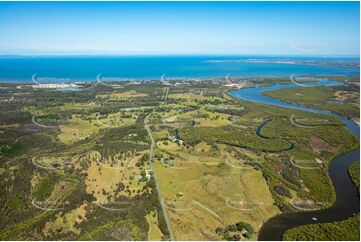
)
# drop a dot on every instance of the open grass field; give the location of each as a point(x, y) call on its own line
point(65, 223)
point(154, 232)
point(201, 197)
point(80, 166)
point(107, 176)
point(77, 129)
point(191, 171)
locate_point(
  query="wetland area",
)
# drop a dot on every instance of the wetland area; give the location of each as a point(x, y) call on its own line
point(178, 159)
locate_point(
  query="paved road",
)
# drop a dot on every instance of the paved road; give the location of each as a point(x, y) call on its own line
point(151, 152)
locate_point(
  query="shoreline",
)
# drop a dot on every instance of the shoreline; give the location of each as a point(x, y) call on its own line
point(161, 78)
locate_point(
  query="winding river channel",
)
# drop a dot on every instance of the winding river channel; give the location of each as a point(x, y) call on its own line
point(347, 197)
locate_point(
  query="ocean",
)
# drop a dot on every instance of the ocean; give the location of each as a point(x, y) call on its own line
point(117, 68)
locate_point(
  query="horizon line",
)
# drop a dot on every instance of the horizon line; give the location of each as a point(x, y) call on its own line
point(188, 54)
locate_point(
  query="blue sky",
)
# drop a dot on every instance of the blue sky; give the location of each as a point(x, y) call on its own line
point(236, 28)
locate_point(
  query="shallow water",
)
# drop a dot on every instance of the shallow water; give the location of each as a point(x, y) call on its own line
point(117, 68)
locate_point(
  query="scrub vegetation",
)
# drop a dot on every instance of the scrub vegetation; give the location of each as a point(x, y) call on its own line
point(348, 229)
point(82, 165)
point(343, 100)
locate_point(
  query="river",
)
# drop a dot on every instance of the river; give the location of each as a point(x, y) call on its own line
point(347, 197)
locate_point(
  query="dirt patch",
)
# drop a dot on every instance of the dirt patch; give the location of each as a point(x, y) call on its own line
point(202, 147)
point(319, 144)
point(319, 161)
point(65, 223)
